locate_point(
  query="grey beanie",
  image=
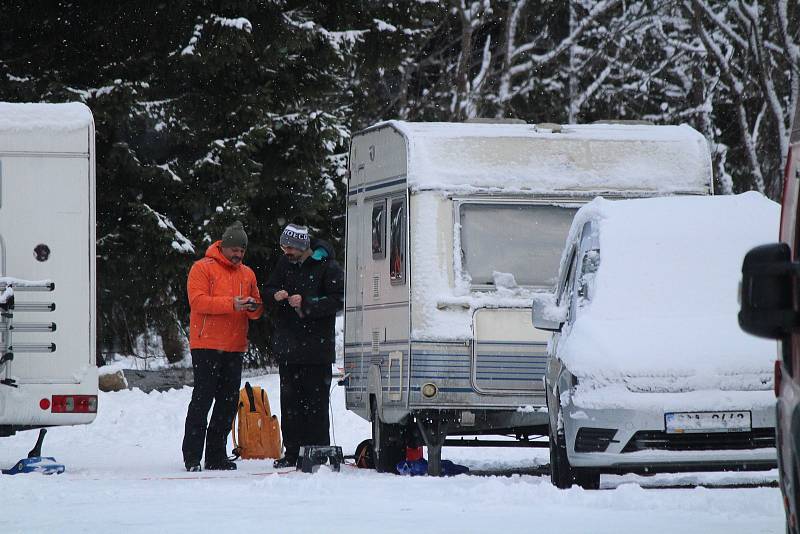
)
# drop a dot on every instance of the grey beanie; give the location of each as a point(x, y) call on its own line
point(295, 236)
point(234, 236)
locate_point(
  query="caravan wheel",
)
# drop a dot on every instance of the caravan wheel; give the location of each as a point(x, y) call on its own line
point(587, 479)
point(388, 446)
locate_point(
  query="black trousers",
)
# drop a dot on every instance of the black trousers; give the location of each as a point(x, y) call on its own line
point(305, 395)
point(217, 376)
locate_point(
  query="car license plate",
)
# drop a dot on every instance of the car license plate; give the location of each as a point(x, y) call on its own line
point(693, 422)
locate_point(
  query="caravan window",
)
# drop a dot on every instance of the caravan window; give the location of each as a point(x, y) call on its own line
point(397, 257)
point(525, 240)
point(379, 230)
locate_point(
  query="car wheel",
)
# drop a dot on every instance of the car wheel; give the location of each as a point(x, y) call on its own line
point(587, 479)
point(388, 447)
point(560, 471)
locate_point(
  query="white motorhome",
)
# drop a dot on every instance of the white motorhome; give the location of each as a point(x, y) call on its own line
point(451, 230)
point(48, 375)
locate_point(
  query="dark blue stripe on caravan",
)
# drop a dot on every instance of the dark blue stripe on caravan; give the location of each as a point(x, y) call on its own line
point(440, 354)
point(488, 342)
point(504, 376)
point(433, 363)
point(376, 185)
point(511, 355)
point(369, 343)
point(510, 369)
point(436, 365)
point(503, 379)
point(448, 377)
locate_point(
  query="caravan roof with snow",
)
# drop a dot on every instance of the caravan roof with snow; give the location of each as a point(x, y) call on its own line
point(513, 158)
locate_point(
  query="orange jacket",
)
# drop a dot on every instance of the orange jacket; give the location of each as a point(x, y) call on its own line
point(212, 284)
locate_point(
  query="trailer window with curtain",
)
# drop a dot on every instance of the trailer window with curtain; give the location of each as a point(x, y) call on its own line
point(379, 229)
point(524, 240)
point(397, 258)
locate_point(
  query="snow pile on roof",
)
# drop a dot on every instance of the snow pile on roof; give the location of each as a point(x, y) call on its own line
point(29, 116)
point(475, 157)
point(665, 303)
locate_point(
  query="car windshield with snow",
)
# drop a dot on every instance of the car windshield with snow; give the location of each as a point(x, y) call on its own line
point(647, 367)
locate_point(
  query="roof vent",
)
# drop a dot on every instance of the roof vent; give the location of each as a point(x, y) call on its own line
point(490, 120)
point(552, 126)
point(633, 122)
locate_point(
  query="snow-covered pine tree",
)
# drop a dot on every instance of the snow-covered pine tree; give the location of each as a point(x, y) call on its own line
point(204, 114)
point(259, 110)
point(107, 55)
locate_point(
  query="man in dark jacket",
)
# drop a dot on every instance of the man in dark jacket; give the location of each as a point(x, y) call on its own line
point(303, 293)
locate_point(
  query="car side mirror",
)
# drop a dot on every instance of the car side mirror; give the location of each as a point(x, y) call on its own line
point(768, 281)
point(545, 315)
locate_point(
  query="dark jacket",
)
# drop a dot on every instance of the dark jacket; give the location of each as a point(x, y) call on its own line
point(310, 338)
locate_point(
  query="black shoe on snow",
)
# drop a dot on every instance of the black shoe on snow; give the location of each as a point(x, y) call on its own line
point(193, 468)
point(222, 465)
point(286, 461)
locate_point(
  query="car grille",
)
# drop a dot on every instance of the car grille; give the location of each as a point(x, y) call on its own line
point(594, 439)
point(755, 439)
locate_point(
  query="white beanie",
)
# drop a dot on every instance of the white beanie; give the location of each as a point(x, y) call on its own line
point(295, 236)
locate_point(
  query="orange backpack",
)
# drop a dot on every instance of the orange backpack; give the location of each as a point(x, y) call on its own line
point(259, 433)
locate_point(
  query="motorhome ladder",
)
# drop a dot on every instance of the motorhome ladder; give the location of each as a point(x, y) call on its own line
point(8, 326)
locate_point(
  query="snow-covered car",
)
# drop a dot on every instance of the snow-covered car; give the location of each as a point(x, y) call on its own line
point(647, 368)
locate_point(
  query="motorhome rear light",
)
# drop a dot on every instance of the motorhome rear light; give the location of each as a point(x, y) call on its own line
point(777, 379)
point(74, 404)
point(44, 404)
point(429, 390)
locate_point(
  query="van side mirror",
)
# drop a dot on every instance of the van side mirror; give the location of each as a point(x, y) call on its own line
point(545, 315)
point(768, 282)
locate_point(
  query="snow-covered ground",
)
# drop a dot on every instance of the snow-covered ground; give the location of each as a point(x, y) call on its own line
point(125, 474)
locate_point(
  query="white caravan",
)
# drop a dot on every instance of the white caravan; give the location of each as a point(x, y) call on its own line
point(48, 375)
point(451, 229)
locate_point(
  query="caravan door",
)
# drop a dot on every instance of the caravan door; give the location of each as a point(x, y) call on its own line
point(354, 296)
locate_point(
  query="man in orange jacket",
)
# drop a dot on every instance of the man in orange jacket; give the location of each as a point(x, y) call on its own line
point(223, 296)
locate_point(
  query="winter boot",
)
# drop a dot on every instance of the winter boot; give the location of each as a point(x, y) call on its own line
point(220, 465)
point(286, 461)
point(193, 467)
